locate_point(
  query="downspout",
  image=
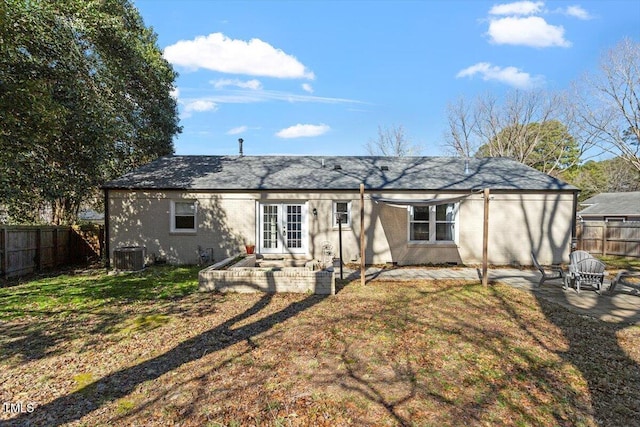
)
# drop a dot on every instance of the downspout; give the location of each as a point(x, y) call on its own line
point(107, 263)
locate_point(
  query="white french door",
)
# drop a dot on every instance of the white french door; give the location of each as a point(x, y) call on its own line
point(282, 228)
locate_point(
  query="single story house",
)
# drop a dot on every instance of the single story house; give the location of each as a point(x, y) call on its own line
point(417, 210)
point(611, 207)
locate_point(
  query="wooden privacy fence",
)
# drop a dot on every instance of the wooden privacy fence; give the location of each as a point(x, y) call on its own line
point(609, 238)
point(27, 249)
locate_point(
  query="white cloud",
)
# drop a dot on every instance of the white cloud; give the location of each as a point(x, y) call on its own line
point(508, 75)
point(200, 105)
point(578, 12)
point(307, 87)
point(530, 31)
point(244, 96)
point(517, 8)
point(300, 130)
point(249, 84)
point(237, 130)
point(217, 52)
point(175, 93)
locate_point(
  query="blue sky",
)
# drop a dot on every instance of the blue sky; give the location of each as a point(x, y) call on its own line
point(319, 77)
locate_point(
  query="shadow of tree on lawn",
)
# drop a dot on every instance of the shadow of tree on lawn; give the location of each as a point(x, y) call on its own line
point(483, 353)
point(612, 376)
point(91, 397)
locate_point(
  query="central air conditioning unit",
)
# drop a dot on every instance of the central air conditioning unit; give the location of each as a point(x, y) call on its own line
point(129, 258)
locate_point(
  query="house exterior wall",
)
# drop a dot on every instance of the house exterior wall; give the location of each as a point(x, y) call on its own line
point(139, 218)
point(518, 224)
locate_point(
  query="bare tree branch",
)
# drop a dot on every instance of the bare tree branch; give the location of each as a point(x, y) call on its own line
point(526, 126)
point(608, 102)
point(392, 141)
point(461, 138)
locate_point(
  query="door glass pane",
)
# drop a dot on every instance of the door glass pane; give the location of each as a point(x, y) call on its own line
point(294, 226)
point(270, 227)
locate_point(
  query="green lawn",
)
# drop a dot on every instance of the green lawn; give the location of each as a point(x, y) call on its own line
point(620, 263)
point(94, 289)
point(147, 349)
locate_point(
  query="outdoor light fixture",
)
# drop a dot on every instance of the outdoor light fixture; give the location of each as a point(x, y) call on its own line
point(315, 212)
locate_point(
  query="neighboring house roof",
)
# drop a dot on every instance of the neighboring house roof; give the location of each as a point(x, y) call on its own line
point(227, 173)
point(90, 215)
point(626, 203)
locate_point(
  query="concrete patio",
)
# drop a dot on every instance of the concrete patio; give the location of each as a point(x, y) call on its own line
point(622, 306)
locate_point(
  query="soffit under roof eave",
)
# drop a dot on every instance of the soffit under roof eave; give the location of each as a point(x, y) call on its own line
point(356, 189)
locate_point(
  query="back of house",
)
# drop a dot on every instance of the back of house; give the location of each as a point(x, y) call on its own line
point(415, 210)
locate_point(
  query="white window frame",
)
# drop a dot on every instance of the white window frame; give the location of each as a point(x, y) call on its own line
point(614, 219)
point(334, 214)
point(432, 225)
point(412, 221)
point(175, 229)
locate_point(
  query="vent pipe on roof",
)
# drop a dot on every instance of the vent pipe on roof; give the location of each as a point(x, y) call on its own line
point(466, 166)
point(240, 141)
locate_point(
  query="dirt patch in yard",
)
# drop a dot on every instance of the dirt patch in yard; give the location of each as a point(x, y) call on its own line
point(389, 353)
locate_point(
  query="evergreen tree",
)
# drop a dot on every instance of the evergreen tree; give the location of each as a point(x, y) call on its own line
point(85, 95)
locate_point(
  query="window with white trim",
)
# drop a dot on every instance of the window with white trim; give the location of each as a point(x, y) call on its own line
point(341, 212)
point(419, 223)
point(183, 216)
point(614, 219)
point(433, 223)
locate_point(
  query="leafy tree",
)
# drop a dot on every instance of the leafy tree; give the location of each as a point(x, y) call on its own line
point(606, 176)
point(84, 97)
point(546, 146)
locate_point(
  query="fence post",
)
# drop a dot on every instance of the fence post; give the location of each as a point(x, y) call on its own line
point(55, 247)
point(101, 240)
point(68, 254)
point(5, 254)
point(579, 231)
point(39, 248)
point(604, 238)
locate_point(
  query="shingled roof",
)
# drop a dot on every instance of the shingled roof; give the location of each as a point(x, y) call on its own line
point(262, 173)
point(624, 203)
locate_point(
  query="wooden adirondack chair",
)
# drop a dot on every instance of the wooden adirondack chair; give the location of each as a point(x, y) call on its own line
point(548, 273)
point(577, 256)
point(589, 271)
point(627, 278)
point(574, 258)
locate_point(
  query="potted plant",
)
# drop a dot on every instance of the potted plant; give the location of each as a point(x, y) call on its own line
point(250, 249)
